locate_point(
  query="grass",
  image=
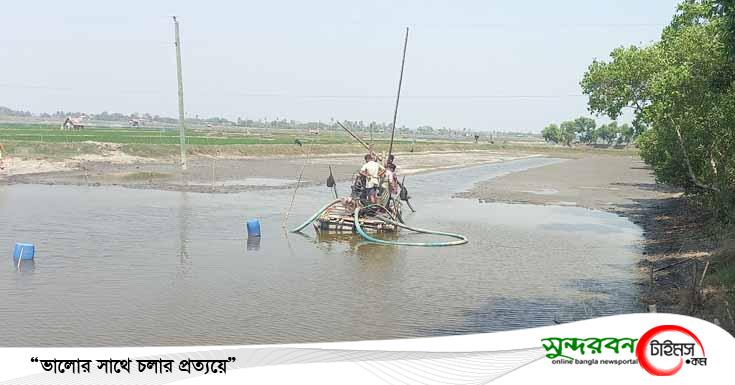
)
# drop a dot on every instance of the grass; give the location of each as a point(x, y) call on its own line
point(48, 134)
point(50, 150)
point(722, 280)
point(724, 259)
point(37, 140)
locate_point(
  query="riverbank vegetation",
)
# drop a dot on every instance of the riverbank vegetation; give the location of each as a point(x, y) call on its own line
point(585, 130)
point(681, 92)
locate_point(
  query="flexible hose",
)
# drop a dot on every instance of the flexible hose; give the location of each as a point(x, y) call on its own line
point(461, 239)
point(315, 216)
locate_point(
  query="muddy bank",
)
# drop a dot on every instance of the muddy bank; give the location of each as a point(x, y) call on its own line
point(226, 174)
point(595, 182)
point(676, 247)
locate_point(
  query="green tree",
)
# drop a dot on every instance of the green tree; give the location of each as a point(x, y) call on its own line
point(681, 90)
point(608, 132)
point(585, 128)
point(567, 132)
point(551, 133)
point(613, 86)
point(626, 133)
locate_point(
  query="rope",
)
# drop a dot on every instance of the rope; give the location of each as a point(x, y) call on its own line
point(298, 183)
point(20, 257)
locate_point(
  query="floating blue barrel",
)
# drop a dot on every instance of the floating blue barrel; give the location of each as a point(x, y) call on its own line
point(24, 250)
point(253, 228)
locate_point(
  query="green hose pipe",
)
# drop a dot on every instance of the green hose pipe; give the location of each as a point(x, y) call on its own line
point(315, 216)
point(461, 239)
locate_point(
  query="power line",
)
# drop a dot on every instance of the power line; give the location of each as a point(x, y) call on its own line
point(315, 96)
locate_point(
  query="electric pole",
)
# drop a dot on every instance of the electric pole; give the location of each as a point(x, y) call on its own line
point(182, 128)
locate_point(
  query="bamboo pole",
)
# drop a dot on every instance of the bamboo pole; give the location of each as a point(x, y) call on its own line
point(367, 146)
point(398, 97)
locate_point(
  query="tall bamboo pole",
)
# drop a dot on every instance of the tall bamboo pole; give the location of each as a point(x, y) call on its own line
point(398, 97)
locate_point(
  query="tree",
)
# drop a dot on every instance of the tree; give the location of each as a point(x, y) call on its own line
point(608, 132)
point(567, 132)
point(626, 133)
point(682, 93)
point(585, 128)
point(551, 133)
point(612, 86)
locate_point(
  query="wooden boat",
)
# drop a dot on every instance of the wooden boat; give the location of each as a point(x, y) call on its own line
point(340, 216)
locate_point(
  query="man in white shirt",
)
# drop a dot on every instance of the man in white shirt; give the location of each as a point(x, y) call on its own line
point(372, 171)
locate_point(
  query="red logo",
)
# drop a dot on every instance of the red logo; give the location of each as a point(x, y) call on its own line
point(647, 340)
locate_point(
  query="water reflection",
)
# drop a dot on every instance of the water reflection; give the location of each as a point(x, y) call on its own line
point(372, 252)
point(24, 275)
point(355, 245)
point(24, 265)
point(253, 244)
point(183, 217)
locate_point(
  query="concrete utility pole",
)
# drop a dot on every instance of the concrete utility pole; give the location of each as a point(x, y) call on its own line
point(182, 128)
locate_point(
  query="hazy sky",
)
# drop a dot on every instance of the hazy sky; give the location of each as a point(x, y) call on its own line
point(484, 65)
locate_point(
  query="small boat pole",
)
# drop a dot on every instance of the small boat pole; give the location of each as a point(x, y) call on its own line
point(334, 182)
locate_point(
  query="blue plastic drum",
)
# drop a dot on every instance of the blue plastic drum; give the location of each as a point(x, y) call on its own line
point(253, 228)
point(25, 251)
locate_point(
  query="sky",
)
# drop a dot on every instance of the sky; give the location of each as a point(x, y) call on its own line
point(480, 65)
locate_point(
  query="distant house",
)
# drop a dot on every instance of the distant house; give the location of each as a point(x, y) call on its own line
point(72, 124)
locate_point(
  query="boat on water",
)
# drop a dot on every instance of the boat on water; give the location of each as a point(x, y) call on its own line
point(340, 215)
point(356, 213)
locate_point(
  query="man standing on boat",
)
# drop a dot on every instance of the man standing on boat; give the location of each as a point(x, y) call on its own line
point(372, 171)
point(392, 177)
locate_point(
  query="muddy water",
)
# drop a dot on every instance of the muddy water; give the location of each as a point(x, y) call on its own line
point(119, 266)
